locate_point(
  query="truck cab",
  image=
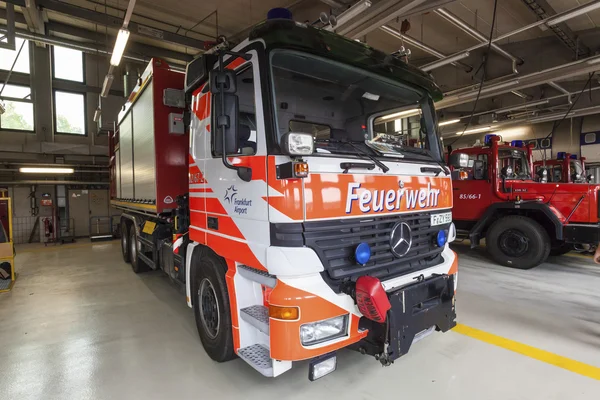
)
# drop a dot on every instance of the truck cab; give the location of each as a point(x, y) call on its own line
point(523, 217)
point(565, 168)
point(317, 213)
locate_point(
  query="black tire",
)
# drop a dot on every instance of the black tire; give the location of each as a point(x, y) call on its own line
point(137, 265)
point(125, 241)
point(518, 242)
point(211, 308)
point(561, 248)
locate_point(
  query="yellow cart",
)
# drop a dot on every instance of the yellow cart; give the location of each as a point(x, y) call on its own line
point(7, 249)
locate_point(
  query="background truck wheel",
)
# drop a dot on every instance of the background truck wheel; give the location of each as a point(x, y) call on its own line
point(211, 308)
point(561, 248)
point(518, 242)
point(136, 264)
point(125, 249)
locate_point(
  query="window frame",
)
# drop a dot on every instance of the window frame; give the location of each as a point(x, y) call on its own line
point(28, 56)
point(16, 99)
point(52, 67)
point(54, 115)
point(250, 64)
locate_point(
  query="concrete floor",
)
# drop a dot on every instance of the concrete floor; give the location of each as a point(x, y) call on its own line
point(80, 324)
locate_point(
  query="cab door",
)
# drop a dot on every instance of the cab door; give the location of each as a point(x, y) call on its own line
point(471, 196)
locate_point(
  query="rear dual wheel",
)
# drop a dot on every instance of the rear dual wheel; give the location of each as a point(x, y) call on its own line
point(125, 248)
point(518, 242)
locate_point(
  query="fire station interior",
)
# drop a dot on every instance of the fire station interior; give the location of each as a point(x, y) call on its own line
point(517, 134)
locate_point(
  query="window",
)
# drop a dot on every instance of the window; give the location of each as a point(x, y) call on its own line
point(247, 117)
point(69, 112)
point(7, 57)
point(19, 108)
point(67, 64)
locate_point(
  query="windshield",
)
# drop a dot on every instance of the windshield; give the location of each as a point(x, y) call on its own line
point(517, 159)
point(338, 104)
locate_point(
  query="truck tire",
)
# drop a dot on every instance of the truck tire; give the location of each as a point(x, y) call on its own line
point(137, 265)
point(212, 309)
point(561, 248)
point(518, 242)
point(125, 249)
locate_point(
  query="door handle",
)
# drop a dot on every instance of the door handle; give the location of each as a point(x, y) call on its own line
point(455, 188)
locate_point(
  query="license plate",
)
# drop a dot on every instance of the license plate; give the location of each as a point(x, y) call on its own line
point(441, 219)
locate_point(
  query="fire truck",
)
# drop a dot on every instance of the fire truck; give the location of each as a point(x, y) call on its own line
point(279, 185)
point(565, 168)
point(496, 197)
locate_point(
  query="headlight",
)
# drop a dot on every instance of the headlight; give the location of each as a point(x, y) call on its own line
point(298, 144)
point(321, 331)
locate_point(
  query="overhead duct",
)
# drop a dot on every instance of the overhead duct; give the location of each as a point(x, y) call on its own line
point(557, 73)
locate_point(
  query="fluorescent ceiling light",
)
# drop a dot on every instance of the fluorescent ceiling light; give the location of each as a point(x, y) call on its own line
point(97, 114)
point(594, 60)
point(108, 80)
point(405, 113)
point(592, 6)
point(521, 106)
point(475, 130)
point(519, 94)
point(449, 122)
point(119, 49)
point(445, 61)
point(42, 170)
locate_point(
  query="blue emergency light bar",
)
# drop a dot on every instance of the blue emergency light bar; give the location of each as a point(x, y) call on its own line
point(487, 139)
point(517, 143)
point(561, 155)
point(279, 13)
point(573, 156)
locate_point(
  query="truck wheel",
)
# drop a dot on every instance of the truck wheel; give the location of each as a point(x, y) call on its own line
point(518, 242)
point(211, 308)
point(125, 242)
point(136, 264)
point(561, 248)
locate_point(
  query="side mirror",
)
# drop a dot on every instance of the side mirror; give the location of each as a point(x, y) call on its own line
point(297, 144)
point(227, 123)
point(478, 169)
point(459, 160)
point(590, 178)
point(506, 172)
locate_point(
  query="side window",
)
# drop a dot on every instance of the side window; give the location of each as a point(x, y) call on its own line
point(247, 118)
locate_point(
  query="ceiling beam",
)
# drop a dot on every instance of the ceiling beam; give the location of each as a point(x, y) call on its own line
point(33, 16)
point(385, 11)
point(115, 22)
point(543, 10)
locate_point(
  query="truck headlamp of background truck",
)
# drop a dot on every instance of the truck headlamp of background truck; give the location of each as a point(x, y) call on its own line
point(298, 216)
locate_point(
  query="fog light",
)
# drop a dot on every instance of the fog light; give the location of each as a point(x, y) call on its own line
point(321, 331)
point(441, 238)
point(362, 253)
point(322, 366)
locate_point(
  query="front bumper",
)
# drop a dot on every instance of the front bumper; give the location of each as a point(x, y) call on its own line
point(582, 233)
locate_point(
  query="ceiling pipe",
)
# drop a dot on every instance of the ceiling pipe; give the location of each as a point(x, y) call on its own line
point(453, 19)
point(561, 89)
point(581, 112)
point(565, 14)
point(422, 46)
point(560, 72)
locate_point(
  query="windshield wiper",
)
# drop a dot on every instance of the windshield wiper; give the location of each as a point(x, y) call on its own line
point(352, 144)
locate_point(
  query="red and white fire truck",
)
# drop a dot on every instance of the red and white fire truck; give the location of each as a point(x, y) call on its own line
point(496, 197)
point(566, 168)
point(278, 182)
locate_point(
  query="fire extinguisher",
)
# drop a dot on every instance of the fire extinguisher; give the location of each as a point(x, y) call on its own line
point(48, 227)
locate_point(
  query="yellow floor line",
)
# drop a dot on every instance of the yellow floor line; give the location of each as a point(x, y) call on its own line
point(56, 247)
point(541, 355)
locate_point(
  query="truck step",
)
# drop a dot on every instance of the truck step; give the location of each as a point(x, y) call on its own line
point(259, 358)
point(257, 316)
point(253, 274)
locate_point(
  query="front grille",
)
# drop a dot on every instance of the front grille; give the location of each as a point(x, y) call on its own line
point(335, 241)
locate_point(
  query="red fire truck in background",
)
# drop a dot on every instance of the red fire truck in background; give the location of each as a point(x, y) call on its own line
point(496, 197)
point(276, 184)
point(566, 168)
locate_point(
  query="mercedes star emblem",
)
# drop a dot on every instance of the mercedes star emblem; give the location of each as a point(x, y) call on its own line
point(400, 239)
point(401, 184)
